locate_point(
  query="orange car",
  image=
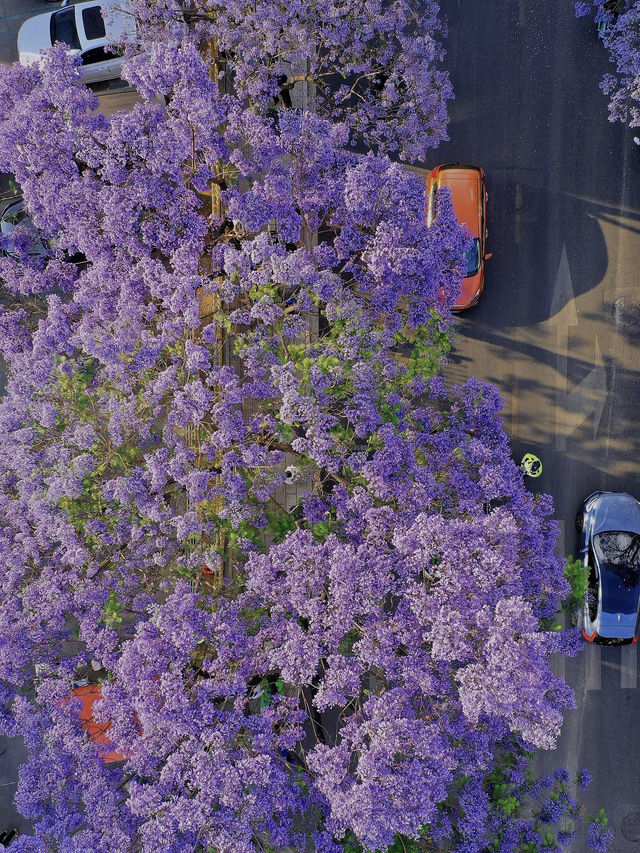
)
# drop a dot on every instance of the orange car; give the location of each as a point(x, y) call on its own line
point(468, 186)
point(97, 732)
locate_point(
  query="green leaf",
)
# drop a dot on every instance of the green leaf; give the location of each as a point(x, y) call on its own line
point(321, 530)
point(578, 576)
point(112, 609)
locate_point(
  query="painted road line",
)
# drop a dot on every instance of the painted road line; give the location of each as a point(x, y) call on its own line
point(517, 219)
point(588, 397)
point(560, 548)
point(592, 666)
point(559, 662)
point(629, 667)
point(514, 402)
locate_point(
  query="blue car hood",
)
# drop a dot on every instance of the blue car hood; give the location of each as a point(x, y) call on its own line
point(617, 625)
point(617, 512)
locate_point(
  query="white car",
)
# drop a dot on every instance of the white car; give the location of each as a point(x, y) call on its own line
point(16, 215)
point(83, 28)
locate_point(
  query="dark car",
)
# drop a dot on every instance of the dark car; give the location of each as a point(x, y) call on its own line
point(609, 528)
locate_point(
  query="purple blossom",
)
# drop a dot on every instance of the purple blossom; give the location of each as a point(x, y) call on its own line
point(598, 836)
point(584, 779)
point(620, 38)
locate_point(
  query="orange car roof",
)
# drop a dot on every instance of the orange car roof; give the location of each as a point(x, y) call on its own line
point(97, 732)
point(465, 185)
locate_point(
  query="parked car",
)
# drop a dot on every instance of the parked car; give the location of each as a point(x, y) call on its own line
point(609, 527)
point(83, 28)
point(97, 732)
point(16, 214)
point(468, 185)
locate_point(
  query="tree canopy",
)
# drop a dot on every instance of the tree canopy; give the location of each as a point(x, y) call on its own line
point(619, 21)
point(257, 294)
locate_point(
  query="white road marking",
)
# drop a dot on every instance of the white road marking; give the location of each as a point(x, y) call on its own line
point(589, 396)
point(558, 662)
point(521, 14)
point(592, 666)
point(560, 545)
point(629, 667)
point(515, 405)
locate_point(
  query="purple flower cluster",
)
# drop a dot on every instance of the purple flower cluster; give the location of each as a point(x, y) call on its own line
point(621, 37)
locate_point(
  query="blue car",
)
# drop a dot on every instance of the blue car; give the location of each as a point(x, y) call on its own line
point(608, 524)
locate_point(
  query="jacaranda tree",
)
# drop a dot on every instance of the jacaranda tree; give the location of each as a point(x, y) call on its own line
point(376, 672)
point(620, 24)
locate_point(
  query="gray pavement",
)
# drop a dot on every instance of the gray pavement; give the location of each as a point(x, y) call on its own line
point(12, 14)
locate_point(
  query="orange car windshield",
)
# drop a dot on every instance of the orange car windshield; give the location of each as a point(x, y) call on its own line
point(472, 257)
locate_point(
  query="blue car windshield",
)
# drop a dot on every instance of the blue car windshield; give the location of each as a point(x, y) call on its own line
point(618, 555)
point(472, 257)
point(63, 27)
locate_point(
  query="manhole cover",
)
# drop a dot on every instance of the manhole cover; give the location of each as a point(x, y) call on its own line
point(631, 826)
point(626, 313)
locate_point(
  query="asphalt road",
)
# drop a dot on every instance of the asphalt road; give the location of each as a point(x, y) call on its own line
point(12, 14)
point(558, 325)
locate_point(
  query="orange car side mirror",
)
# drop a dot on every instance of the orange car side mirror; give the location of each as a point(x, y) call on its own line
point(488, 255)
